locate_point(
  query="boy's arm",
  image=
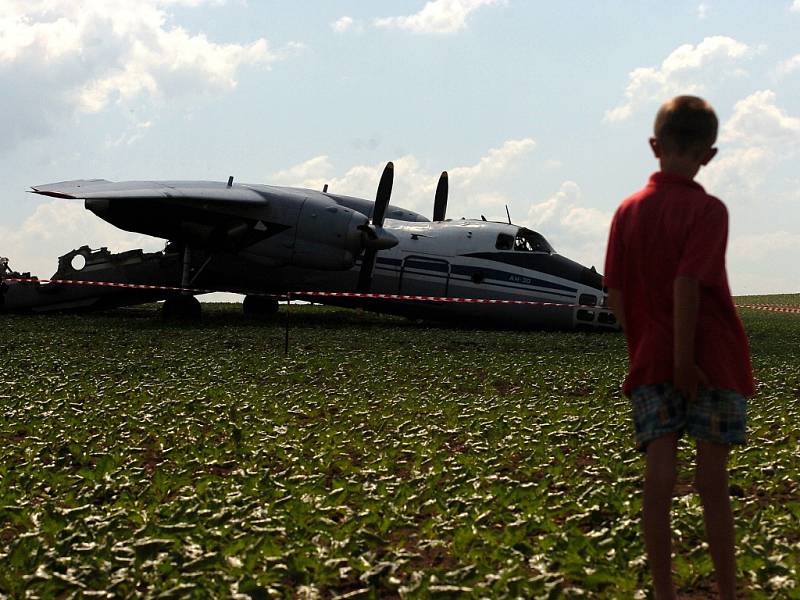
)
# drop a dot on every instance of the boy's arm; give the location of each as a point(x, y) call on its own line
point(686, 374)
point(617, 305)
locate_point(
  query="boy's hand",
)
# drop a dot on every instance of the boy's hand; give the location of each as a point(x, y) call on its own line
point(687, 378)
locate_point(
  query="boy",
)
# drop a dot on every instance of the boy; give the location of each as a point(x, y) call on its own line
point(689, 362)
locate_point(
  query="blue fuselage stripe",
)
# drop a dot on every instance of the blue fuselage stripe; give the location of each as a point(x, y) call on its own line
point(464, 273)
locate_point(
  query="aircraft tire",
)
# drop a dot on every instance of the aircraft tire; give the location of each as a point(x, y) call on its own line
point(259, 307)
point(181, 308)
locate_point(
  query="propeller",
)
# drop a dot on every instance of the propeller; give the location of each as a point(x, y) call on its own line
point(440, 200)
point(375, 238)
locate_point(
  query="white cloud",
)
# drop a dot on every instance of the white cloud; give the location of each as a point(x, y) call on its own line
point(757, 137)
point(311, 169)
point(737, 173)
point(549, 211)
point(496, 161)
point(437, 16)
point(789, 65)
point(473, 188)
point(574, 229)
point(685, 71)
point(360, 180)
point(60, 58)
point(344, 24)
point(795, 6)
point(702, 11)
point(494, 201)
point(413, 186)
point(757, 120)
point(177, 64)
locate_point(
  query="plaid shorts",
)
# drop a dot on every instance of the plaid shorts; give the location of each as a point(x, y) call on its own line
point(715, 415)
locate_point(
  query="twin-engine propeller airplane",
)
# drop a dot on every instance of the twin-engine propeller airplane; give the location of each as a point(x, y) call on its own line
point(265, 239)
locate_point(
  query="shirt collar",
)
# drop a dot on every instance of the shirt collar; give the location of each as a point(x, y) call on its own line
point(661, 179)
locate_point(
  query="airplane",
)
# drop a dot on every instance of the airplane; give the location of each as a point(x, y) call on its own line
point(261, 239)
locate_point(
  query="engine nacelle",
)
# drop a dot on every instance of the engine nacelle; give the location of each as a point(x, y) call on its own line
point(328, 236)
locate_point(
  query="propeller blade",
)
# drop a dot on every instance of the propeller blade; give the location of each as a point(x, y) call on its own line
point(440, 200)
point(365, 274)
point(384, 195)
point(375, 237)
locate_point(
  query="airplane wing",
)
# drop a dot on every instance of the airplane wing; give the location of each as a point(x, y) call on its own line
point(190, 192)
point(208, 213)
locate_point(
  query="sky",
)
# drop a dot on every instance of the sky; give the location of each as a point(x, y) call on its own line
point(544, 107)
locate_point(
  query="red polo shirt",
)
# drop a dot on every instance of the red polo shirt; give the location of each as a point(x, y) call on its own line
point(673, 227)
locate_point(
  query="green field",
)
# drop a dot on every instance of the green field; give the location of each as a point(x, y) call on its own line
point(380, 458)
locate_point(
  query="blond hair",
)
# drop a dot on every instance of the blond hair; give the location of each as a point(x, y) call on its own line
point(686, 124)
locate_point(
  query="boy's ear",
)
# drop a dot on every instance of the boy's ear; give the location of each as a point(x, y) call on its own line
point(710, 153)
point(655, 147)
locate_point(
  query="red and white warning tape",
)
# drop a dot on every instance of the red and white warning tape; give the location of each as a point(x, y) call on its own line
point(435, 299)
point(302, 295)
point(130, 286)
point(299, 295)
point(779, 308)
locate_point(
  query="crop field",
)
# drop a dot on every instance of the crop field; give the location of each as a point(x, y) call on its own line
point(379, 458)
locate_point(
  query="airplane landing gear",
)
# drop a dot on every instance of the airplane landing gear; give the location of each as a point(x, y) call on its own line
point(181, 308)
point(184, 307)
point(260, 307)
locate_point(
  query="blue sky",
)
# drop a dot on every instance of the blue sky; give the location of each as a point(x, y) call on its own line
point(545, 107)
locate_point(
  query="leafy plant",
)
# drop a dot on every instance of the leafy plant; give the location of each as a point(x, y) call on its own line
point(379, 458)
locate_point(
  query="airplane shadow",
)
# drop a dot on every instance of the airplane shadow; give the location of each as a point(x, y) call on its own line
point(230, 317)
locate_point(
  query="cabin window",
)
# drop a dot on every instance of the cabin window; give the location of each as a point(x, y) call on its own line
point(530, 241)
point(504, 242)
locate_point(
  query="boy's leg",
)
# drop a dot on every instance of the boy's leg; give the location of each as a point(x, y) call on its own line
point(659, 483)
point(711, 481)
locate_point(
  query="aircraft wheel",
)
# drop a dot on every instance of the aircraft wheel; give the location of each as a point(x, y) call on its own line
point(181, 308)
point(260, 307)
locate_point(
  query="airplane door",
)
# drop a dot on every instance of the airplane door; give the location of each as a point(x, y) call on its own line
point(424, 276)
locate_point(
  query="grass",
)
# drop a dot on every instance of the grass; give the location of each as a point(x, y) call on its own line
point(380, 458)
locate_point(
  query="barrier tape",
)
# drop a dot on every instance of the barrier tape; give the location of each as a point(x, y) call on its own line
point(780, 308)
point(301, 295)
point(132, 286)
point(407, 297)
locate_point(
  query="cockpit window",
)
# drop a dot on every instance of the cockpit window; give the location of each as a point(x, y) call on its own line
point(504, 242)
point(530, 241)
